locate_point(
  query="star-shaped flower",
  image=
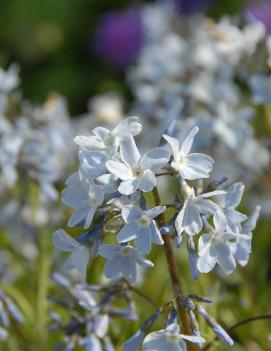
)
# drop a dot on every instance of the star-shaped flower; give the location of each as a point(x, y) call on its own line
point(79, 253)
point(190, 166)
point(228, 202)
point(134, 170)
point(189, 218)
point(214, 248)
point(104, 139)
point(141, 227)
point(85, 197)
point(122, 262)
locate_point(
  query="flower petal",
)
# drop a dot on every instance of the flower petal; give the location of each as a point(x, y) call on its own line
point(224, 257)
point(129, 152)
point(143, 241)
point(129, 186)
point(108, 251)
point(147, 181)
point(65, 242)
point(174, 144)
point(131, 213)
point(119, 169)
point(234, 195)
point(127, 232)
point(155, 159)
point(155, 211)
point(188, 141)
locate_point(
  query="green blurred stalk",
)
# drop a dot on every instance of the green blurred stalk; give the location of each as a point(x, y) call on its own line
point(44, 268)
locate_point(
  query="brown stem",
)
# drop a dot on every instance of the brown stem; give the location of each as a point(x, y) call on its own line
point(248, 320)
point(174, 277)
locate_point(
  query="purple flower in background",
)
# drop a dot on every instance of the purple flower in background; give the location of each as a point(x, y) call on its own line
point(261, 12)
point(187, 7)
point(119, 36)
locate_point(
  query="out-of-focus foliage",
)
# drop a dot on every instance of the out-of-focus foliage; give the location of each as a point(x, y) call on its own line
point(53, 43)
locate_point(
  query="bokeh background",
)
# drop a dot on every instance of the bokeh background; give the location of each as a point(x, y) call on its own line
point(79, 47)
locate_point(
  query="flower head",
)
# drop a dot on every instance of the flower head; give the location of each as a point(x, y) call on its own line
point(141, 227)
point(190, 166)
point(79, 253)
point(214, 247)
point(189, 218)
point(122, 262)
point(134, 170)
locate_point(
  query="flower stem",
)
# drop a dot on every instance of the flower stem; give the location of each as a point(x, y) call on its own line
point(174, 277)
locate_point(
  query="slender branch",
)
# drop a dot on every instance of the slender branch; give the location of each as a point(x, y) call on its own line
point(248, 320)
point(144, 296)
point(174, 277)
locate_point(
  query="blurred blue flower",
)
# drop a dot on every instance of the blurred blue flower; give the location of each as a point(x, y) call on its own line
point(119, 36)
point(188, 7)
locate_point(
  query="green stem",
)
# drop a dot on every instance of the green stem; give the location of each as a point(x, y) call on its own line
point(43, 287)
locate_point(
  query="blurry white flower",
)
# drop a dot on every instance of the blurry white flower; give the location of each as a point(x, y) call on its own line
point(9, 79)
point(85, 197)
point(79, 253)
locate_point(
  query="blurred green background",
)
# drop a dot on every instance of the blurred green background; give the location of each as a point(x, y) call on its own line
point(53, 43)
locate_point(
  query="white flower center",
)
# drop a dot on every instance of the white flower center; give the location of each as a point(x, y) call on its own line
point(144, 221)
point(181, 160)
point(137, 172)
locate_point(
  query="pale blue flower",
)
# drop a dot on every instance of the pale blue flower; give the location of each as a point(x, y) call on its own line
point(228, 202)
point(141, 227)
point(122, 262)
point(134, 170)
point(92, 163)
point(79, 253)
point(168, 339)
point(101, 324)
point(242, 249)
point(91, 343)
point(214, 248)
point(85, 197)
point(190, 166)
point(189, 218)
point(261, 89)
point(84, 297)
point(104, 139)
point(217, 329)
point(134, 342)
